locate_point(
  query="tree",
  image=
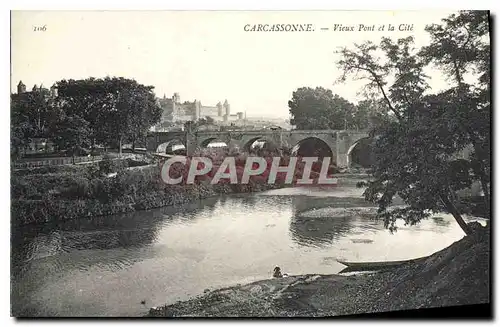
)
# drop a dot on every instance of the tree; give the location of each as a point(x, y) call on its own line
point(22, 127)
point(31, 115)
point(416, 154)
point(209, 120)
point(319, 108)
point(116, 109)
point(141, 111)
point(370, 114)
point(460, 47)
point(400, 63)
point(194, 125)
point(190, 125)
point(21, 133)
point(87, 99)
point(72, 133)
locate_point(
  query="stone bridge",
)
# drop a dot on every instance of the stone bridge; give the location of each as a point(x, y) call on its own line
point(340, 142)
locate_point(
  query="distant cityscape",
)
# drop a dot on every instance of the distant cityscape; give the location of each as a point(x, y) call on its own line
point(176, 114)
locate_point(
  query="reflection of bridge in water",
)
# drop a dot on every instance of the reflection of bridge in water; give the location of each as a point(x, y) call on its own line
point(338, 144)
point(323, 229)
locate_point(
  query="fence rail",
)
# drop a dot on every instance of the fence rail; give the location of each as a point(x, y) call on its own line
point(55, 161)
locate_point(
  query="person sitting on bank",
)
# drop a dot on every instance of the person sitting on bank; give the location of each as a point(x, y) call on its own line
point(277, 272)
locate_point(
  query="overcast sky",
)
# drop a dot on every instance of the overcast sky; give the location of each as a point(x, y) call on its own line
point(202, 55)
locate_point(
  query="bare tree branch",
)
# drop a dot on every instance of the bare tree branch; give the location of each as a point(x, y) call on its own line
point(376, 79)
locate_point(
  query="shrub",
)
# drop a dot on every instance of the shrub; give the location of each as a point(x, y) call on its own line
point(136, 163)
point(109, 165)
point(79, 188)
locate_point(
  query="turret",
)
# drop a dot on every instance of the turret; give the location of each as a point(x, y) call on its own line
point(227, 108)
point(35, 88)
point(219, 109)
point(197, 107)
point(176, 98)
point(21, 88)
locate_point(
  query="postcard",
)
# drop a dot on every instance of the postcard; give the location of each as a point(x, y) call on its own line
point(250, 164)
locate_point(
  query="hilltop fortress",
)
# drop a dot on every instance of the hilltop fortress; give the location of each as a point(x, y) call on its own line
point(175, 111)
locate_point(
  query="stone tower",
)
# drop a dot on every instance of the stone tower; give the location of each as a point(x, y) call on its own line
point(227, 108)
point(35, 88)
point(197, 107)
point(227, 111)
point(21, 88)
point(176, 98)
point(219, 109)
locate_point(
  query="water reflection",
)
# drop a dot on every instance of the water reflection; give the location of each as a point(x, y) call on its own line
point(319, 231)
point(305, 204)
point(136, 229)
point(440, 221)
point(107, 265)
point(317, 221)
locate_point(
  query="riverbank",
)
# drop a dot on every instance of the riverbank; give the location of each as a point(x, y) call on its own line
point(42, 198)
point(111, 186)
point(456, 275)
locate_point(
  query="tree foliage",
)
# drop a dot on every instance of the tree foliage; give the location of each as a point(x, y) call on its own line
point(72, 133)
point(30, 118)
point(117, 109)
point(417, 156)
point(108, 111)
point(191, 125)
point(319, 108)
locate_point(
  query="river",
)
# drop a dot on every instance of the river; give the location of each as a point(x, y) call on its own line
point(107, 266)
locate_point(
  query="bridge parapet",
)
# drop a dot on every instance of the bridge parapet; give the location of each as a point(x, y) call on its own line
point(339, 141)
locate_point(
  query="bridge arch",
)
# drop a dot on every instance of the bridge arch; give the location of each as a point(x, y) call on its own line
point(360, 153)
point(154, 140)
point(249, 144)
point(314, 146)
point(211, 140)
point(171, 146)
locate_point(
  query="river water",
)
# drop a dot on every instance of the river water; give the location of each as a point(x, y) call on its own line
point(107, 266)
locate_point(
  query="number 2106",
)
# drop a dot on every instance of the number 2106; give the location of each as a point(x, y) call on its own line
point(40, 28)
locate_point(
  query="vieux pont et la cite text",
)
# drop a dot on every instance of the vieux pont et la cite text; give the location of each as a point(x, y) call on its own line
point(334, 28)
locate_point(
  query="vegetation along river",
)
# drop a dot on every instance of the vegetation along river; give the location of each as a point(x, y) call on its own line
point(107, 266)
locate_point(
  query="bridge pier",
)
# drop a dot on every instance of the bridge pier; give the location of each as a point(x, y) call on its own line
point(191, 143)
point(341, 149)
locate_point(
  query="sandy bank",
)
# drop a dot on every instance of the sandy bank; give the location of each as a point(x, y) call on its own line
point(457, 275)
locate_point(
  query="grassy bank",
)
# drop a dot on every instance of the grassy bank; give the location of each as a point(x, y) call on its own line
point(108, 187)
point(457, 275)
point(58, 193)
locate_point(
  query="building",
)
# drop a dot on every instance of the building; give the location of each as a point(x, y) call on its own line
point(52, 92)
point(47, 98)
point(175, 111)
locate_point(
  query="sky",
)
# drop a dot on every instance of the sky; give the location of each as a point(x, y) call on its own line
point(203, 55)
